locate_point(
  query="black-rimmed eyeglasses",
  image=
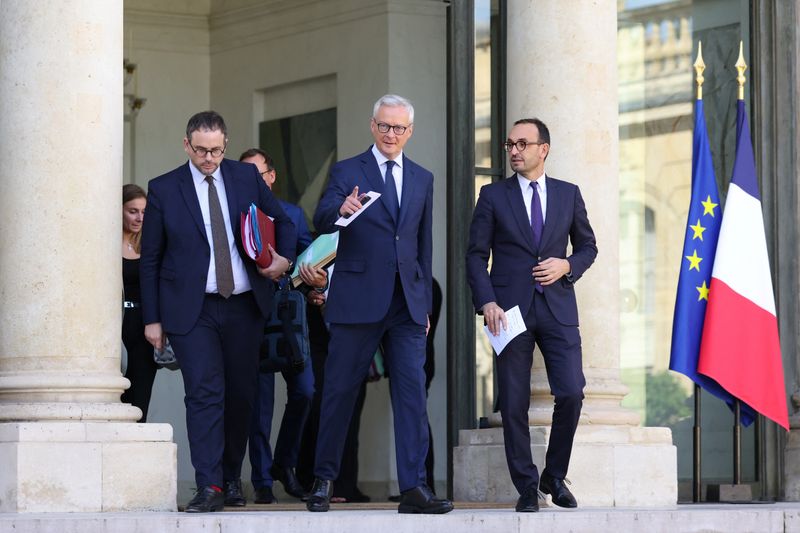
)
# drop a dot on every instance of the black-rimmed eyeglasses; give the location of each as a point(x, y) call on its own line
point(202, 152)
point(521, 145)
point(384, 128)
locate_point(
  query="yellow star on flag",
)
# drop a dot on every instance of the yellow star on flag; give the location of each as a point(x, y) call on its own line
point(703, 290)
point(698, 231)
point(694, 261)
point(708, 206)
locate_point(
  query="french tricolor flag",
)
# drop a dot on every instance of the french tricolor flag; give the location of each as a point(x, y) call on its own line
point(740, 348)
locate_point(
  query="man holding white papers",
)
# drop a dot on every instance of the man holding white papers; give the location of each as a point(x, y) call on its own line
point(380, 293)
point(525, 222)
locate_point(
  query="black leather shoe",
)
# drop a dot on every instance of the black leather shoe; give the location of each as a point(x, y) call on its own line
point(206, 500)
point(319, 501)
point(264, 495)
point(528, 501)
point(289, 480)
point(420, 500)
point(558, 490)
point(233, 494)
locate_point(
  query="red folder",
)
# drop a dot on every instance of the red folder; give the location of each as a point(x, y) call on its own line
point(258, 234)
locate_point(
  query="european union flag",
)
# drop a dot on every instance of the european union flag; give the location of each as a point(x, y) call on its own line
point(699, 248)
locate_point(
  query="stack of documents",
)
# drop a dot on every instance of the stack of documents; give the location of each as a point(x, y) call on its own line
point(320, 253)
point(258, 234)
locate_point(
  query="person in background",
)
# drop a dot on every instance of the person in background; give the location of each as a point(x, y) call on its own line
point(345, 487)
point(266, 467)
point(141, 368)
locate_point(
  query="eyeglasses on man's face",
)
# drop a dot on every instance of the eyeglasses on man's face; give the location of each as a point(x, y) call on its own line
point(384, 127)
point(521, 145)
point(203, 152)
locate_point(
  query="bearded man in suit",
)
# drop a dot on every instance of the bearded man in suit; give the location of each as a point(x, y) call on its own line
point(525, 222)
point(202, 291)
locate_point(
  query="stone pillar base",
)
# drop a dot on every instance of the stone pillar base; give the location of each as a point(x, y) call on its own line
point(791, 464)
point(86, 467)
point(611, 466)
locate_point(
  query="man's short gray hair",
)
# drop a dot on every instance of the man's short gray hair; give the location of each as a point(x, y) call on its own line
point(393, 100)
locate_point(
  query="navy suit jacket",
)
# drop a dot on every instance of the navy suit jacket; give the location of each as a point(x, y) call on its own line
point(373, 247)
point(298, 218)
point(176, 251)
point(500, 225)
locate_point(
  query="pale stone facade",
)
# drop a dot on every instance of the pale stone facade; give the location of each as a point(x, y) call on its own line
point(66, 441)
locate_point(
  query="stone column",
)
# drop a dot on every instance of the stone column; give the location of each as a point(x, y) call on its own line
point(66, 441)
point(562, 68)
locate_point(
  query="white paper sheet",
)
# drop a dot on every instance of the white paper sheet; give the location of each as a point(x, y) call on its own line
point(372, 195)
point(516, 325)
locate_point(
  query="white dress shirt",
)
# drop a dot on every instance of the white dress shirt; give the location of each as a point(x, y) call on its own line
point(397, 171)
point(527, 195)
point(241, 283)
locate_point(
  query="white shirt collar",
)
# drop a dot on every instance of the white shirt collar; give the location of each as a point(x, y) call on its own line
point(381, 159)
point(524, 182)
point(198, 177)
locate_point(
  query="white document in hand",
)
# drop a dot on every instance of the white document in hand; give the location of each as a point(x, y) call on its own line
point(366, 201)
point(516, 325)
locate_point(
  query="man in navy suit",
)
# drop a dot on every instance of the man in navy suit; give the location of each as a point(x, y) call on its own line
point(525, 222)
point(299, 386)
point(201, 290)
point(380, 293)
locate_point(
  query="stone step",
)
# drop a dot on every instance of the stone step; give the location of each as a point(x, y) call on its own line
point(767, 518)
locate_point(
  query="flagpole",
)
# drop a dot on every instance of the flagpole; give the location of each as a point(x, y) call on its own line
point(696, 471)
point(741, 66)
point(697, 487)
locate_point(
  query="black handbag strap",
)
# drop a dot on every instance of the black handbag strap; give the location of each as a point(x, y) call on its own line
point(286, 316)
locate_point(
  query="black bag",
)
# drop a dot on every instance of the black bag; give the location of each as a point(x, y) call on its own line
point(165, 358)
point(285, 347)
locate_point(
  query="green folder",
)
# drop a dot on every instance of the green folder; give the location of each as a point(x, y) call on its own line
point(320, 253)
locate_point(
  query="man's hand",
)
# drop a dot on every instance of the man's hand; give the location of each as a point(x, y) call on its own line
point(154, 335)
point(316, 298)
point(277, 268)
point(313, 276)
point(428, 325)
point(551, 270)
point(495, 317)
point(351, 203)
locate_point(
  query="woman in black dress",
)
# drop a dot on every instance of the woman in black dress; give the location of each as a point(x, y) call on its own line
point(141, 370)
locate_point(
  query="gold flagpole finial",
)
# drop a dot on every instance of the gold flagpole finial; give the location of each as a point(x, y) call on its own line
point(741, 66)
point(699, 67)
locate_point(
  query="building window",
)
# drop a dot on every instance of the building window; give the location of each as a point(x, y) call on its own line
point(657, 40)
point(489, 90)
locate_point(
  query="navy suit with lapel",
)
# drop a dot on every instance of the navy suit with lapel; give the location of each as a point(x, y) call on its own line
point(501, 228)
point(216, 340)
point(380, 292)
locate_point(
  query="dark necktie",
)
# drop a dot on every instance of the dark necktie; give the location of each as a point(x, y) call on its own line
point(390, 191)
point(537, 222)
point(222, 252)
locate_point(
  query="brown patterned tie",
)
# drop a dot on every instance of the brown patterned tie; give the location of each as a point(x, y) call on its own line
point(222, 251)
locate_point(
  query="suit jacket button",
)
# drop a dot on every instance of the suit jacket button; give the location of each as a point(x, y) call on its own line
point(539, 258)
point(397, 237)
